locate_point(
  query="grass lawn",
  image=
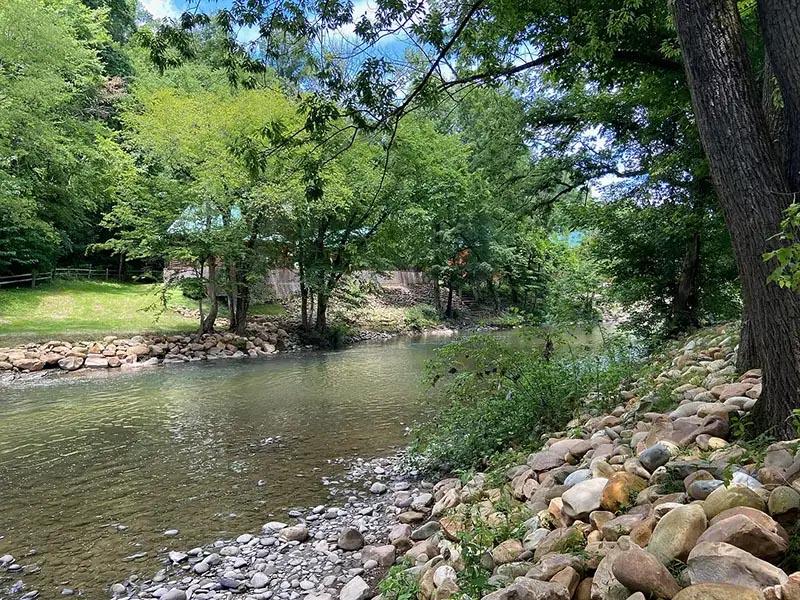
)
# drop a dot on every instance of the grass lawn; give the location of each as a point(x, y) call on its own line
point(69, 310)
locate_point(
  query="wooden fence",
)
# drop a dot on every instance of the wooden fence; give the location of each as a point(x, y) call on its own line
point(87, 272)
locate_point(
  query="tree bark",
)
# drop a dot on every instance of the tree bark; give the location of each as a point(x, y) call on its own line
point(211, 317)
point(780, 26)
point(752, 189)
point(449, 311)
point(322, 312)
point(684, 306)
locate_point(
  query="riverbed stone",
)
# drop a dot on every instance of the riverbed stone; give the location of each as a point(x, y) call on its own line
point(640, 571)
point(583, 498)
point(355, 589)
point(350, 539)
point(174, 594)
point(718, 591)
point(718, 562)
point(530, 589)
point(296, 533)
point(676, 533)
point(743, 532)
point(70, 363)
point(724, 498)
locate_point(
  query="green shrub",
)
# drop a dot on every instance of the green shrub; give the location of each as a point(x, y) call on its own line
point(496, 396)
point(398, 584)
point(422, 316)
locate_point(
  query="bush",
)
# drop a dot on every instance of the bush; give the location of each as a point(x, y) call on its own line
point(497, 396)
point(420, 317)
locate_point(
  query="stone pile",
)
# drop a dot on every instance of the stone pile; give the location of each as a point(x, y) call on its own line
point(329, 551)
point(143, 350)
point(630, 505)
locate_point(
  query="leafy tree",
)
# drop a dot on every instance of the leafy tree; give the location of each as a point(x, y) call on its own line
point(55, 159)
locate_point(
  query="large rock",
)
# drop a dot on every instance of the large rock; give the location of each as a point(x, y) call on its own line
point(507, 551)
point(29, 364)
point(676, 533)
point(657, 455)
point(621, 491)
point(718, 591)
point(70, 363)
point(605, 586)
point(383, 555)
point(724, 498)
point(743, 532)
point(296, 533)
point(640, 571)
point(95, 361)
point(583, 498)
point(718, 562)
point(350, 538)
point(355, 589)
point(530, 589)
point(545, 460)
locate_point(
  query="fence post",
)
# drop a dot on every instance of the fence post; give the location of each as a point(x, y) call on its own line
point(106, 273)
point(33, 279)
point(90, 272)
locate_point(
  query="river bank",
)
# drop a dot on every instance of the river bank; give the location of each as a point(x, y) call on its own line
point(383, 317)
point(656, 498)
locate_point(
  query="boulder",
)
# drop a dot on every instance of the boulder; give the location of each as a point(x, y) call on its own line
point(657, 455)
point(583, 498)
point(383, 555)
point(724, 498)
point(718, 591)
point(621, 491)
point(640, 571)
point(745, 533)
point(350, 538)
point(70, 363)
point(605, 586)
point(355, 589)
point(784, 503)
point(530, 589)
point(676, 533)
point(95, 361)
point(296, 533)
point(507, 551)
point(718, 562)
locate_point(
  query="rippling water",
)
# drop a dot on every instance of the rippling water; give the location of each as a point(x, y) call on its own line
point(95, 467)
point(185, 447)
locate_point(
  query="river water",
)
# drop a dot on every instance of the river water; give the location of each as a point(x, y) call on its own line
point(95, 468)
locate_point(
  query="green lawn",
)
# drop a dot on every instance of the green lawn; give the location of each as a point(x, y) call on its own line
point(74, 309)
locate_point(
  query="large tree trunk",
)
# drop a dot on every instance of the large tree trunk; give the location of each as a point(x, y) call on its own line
point(304, 306)
point(684, 308)
point(780, 26)
point(239, 315)
point(752, 189)
point(210, 319)
point(322, 312)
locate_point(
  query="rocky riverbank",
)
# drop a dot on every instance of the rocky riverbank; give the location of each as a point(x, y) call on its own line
point(656, 499)
point(112, 352)
point(340, 548)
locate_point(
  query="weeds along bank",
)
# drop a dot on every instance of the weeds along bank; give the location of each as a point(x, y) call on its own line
point(649, 492)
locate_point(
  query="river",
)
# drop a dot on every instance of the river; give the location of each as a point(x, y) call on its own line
point(94, 469)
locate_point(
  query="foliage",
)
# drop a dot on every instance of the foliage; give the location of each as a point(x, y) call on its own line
point(478, 538)
point(421, 317)
point(787, 256)
point(399, 584)
point(497, 395)
point(56, 160)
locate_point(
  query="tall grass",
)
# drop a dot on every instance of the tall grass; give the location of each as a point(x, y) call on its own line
point(496, 396)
